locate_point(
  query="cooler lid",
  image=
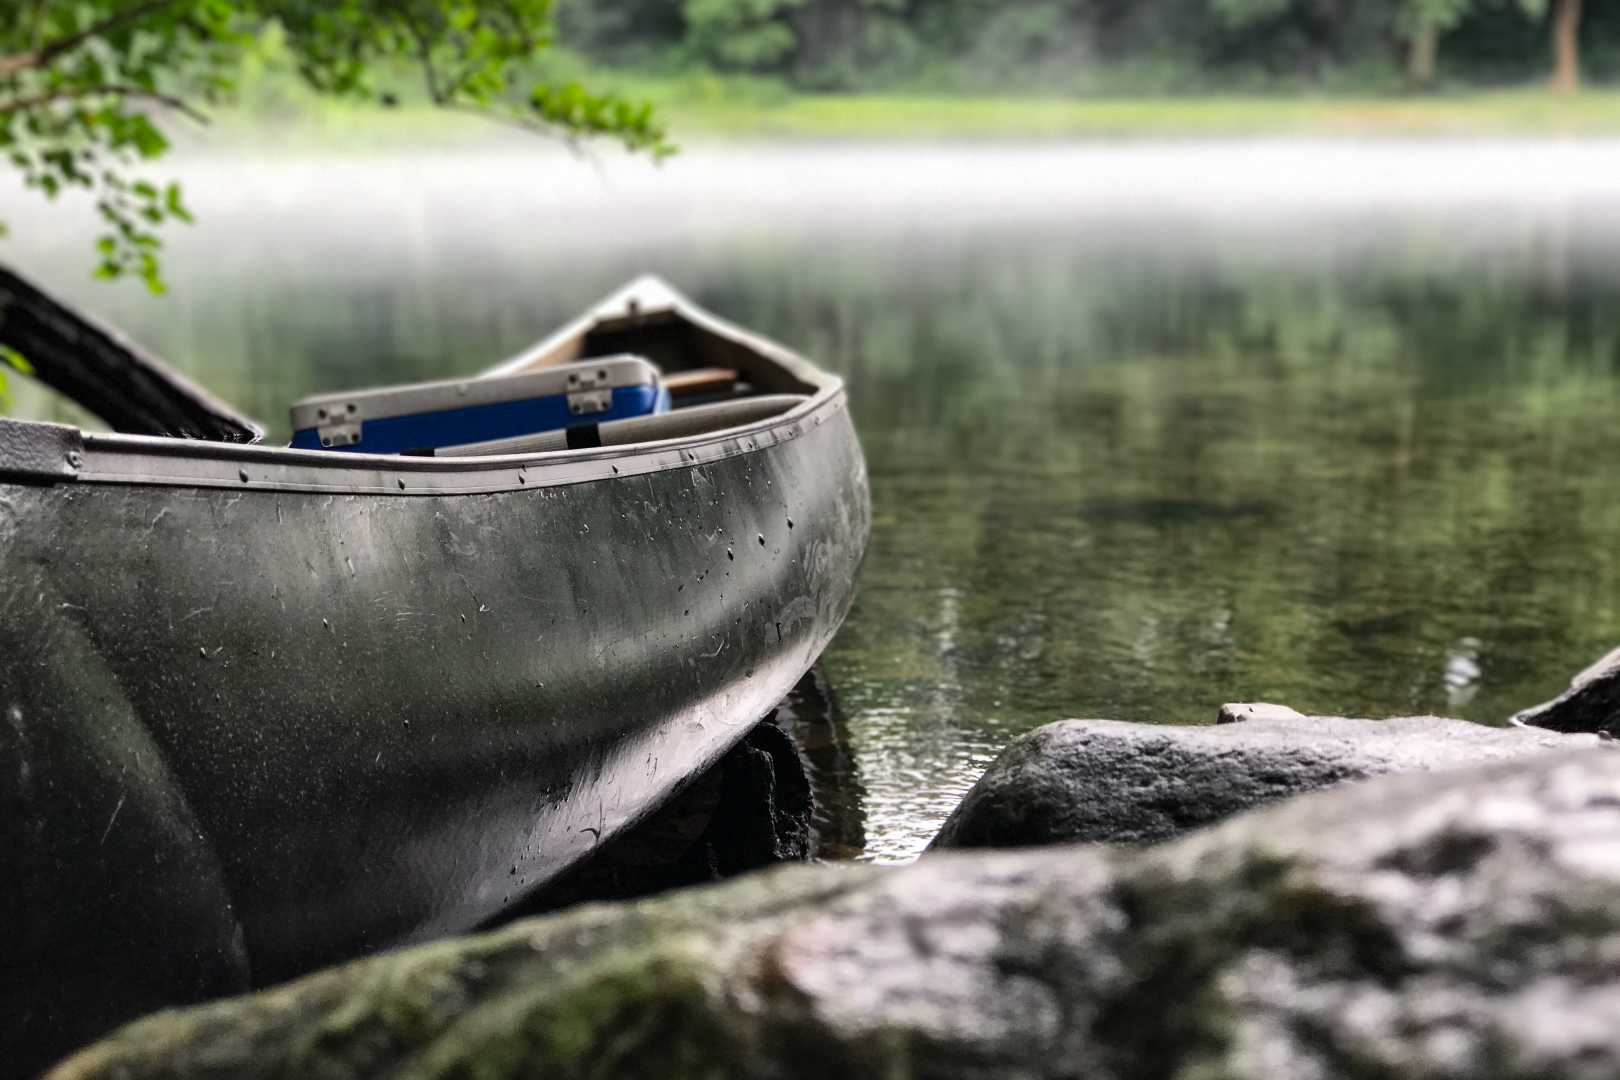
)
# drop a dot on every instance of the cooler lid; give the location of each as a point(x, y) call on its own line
point(412, 399)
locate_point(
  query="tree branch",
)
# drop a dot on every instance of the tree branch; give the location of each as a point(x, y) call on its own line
point(424, 52)
point(516, 123)
point(179, 105)
point(40, 57)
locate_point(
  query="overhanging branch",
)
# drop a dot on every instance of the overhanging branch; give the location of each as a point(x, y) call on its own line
point(115, 90)
point(42, 56)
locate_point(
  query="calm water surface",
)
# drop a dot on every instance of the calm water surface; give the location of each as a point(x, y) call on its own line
point(1151, 426)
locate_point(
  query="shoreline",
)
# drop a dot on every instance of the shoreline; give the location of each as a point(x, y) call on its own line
point(715, 112)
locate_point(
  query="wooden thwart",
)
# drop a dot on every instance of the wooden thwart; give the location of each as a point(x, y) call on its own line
point(699, 381)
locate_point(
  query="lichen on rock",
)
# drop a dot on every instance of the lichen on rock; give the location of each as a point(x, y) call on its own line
point(1463, 923)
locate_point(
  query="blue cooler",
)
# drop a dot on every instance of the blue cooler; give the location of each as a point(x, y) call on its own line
point(424, 416)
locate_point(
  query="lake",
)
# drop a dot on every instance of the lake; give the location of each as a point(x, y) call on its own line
point(1151, 425)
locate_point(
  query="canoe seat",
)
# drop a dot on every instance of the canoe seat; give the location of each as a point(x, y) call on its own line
point(677, 424)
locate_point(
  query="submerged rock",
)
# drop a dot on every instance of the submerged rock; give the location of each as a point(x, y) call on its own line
point(1236, 712)
point(1460, 924)
point(1105, 781)
point(1591, 704)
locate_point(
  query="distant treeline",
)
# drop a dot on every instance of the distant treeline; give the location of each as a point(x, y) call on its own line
point(1108, 45)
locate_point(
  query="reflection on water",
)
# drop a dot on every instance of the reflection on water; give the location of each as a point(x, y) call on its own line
point(812, 715)
point(1151, 427)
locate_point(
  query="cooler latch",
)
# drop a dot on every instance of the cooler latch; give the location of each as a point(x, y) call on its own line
point(340, 424)
point(588, 393)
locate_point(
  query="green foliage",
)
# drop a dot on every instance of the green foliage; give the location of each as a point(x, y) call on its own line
point(1086, 46)
point(1244, 12)
point(11, 358)
point(1404, 16)
point(88, 87)
point(1415, 16)
point(741, 35)
point(645, 32)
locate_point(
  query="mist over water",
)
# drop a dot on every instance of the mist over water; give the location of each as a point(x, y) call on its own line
point(1151, 425)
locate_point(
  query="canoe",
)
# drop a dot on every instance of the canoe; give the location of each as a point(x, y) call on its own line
point(265, 709)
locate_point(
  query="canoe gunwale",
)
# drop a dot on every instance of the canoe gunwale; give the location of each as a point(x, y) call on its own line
point(54, 453)
point(163, 462)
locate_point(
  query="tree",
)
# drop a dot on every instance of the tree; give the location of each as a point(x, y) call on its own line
point(743, 35)
point(1417, 24)
point(1564, 17)
point(89, 88)
point(1423, 21)
point(1566, 31)
point(1420, 23)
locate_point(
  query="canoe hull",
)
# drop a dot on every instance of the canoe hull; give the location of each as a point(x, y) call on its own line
point(245, 733)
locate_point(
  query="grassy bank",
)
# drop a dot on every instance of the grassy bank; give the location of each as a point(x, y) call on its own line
point(888, 117)
point(708, 109)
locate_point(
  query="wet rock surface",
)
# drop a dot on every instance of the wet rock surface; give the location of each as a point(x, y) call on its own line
point(1237, 712)
point(1591, 704)
point(1462, 924)
point(1106, 781)
point(752, 809)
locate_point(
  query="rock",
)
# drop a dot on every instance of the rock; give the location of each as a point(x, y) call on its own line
point(750, 810)
point(1462, 924)
point(1591, 704)
point(1103, 781)
point(1235, 712)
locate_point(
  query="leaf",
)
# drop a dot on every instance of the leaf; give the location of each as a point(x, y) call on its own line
point(15, 360)
point(149, 141)
point(176, 208)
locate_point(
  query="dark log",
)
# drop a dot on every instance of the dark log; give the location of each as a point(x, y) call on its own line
point(107, 374)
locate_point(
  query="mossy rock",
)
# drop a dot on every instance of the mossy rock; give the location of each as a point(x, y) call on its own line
point(1459, 924)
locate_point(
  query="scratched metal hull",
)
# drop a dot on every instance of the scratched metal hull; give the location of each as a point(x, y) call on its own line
point(247, 732)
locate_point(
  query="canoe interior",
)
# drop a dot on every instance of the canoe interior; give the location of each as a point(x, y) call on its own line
point(650, 319)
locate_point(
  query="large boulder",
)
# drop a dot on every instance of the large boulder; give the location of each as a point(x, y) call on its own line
point(1459, 924)
point(1104, 781)
point(1591, 704)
